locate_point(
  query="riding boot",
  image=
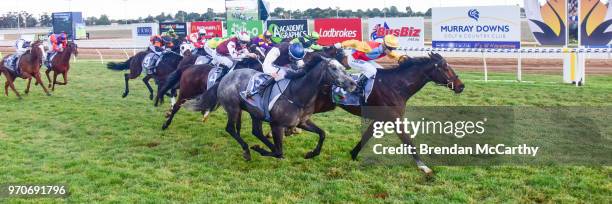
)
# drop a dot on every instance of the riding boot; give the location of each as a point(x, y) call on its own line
point(361, 84)
point(262, 87)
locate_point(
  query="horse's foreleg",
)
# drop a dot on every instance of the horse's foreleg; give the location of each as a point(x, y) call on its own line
point(39, 80)
point(406, 140)
point(146, 82)
point(364, 140)
point(54, 81)
point(278, 133)
point(127, 88)
point(170, 114)
point(27, 91)
point(257, 130)
point(232, 117)
point(311, 127)
point(48, 78)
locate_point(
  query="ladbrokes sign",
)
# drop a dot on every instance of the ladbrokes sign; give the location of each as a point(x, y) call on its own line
point(408, 30)
point(333, 30)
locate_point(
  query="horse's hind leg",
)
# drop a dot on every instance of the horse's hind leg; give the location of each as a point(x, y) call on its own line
point(311, 127)
point(127, 87)
point(10, 84)
point(232, 117)
point(146, 82)
point(406, 140)
point(65, 76)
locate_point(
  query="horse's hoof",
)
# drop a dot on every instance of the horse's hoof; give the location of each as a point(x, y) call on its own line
point(246, 155)
point(260, 150)
point(124, 95)
point(204, 119)
point(426, 170)
point(164, 127)
point(353, 156)
point(168, 113)
point(48, 94)
point(296, 131)
point(151, 97)
point(311, 155)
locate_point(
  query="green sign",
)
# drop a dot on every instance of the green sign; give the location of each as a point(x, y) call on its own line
point(253, 28)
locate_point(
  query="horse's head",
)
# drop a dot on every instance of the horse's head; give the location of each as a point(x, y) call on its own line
point(38, 48)
point(337, 53)
point(334, 72)
point(258, 51)
point(440, 72)
point(73, 48)
point(186, 49)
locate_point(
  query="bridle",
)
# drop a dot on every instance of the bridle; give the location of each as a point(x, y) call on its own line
point(438, 66)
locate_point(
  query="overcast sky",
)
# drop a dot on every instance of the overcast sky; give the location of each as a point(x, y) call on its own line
point(142, 8)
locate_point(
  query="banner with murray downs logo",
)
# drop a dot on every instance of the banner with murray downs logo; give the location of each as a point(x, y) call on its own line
point(476, 27)
point(287, 29)
point(253, 28)
point(410, 31)
point(334, 30)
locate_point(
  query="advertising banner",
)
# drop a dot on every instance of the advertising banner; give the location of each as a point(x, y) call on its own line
point(179, 28)
point(333, 30)
point(476, 27)
point(410, 31)
point(548, 21)
point(244, 10)
point(213, 28)
point(287, 29)
point(70, 22)
point(595, 20)
point(253, 28)
point(143, 31)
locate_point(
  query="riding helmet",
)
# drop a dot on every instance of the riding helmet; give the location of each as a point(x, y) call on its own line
point(391, 41)
point(296, 51)
point(244, 37)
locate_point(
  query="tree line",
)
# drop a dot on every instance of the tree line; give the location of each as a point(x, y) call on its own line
point(9, 20)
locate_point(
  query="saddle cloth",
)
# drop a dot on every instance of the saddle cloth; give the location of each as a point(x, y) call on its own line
point(151, 61)
point(10, 64)
point(203, 59)
point(213, 75)
point(265, 101)
point(343, 97)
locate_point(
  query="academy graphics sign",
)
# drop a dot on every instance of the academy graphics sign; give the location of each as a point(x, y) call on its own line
point(476, 27)
point(287, 29)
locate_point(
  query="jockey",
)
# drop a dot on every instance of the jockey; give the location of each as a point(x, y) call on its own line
point(198, 40)
point(278, 64)
point(21, 46)
point(58, 44)
point(364, 55)
point(232, 50)
point(309, 42)
point(157, 44)
point(264, 41)
point(172, 33)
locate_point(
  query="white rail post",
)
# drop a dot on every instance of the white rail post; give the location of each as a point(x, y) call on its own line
point(133, 52)
point(127, 56)
point(101, 57)
point(519, 71)
point(486, 71)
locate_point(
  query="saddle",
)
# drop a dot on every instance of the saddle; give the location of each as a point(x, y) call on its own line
point(343, 97)
point(265, 101)
point(203, 59)
point(150, 62)
point(12, 64)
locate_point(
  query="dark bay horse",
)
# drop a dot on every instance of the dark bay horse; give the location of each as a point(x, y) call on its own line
point(392, 89)
point(287, 112)
point(167, 65)
point(29, 66)
point(61, 65)
point(193, 82)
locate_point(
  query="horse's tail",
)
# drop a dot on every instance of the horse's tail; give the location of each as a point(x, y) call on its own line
point(119, 66)
point(206, 102)
point(171, 82)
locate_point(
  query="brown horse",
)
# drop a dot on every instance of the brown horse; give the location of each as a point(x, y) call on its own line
point(391, 91)
point(61, 65)
point(193, 82)
point(29, 66)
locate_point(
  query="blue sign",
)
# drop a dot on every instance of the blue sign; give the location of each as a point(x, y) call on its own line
point(144, 31)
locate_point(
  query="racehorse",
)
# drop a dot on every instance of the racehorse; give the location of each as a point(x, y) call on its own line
point(61, 65)
point(391, 91)
point(193, 82)
point(167, 65)
point(29, 66)
point(287, 112)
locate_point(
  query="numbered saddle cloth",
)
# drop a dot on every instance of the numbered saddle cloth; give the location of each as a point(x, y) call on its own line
point(213, 75)
point(150, 62)
point(343, 97)
point(12, 64)
point(265, 101)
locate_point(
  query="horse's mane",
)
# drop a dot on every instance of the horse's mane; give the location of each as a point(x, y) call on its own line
point(315, 60)
point(409, 63)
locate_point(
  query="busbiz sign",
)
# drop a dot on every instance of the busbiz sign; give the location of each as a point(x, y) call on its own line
point(476, 27)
